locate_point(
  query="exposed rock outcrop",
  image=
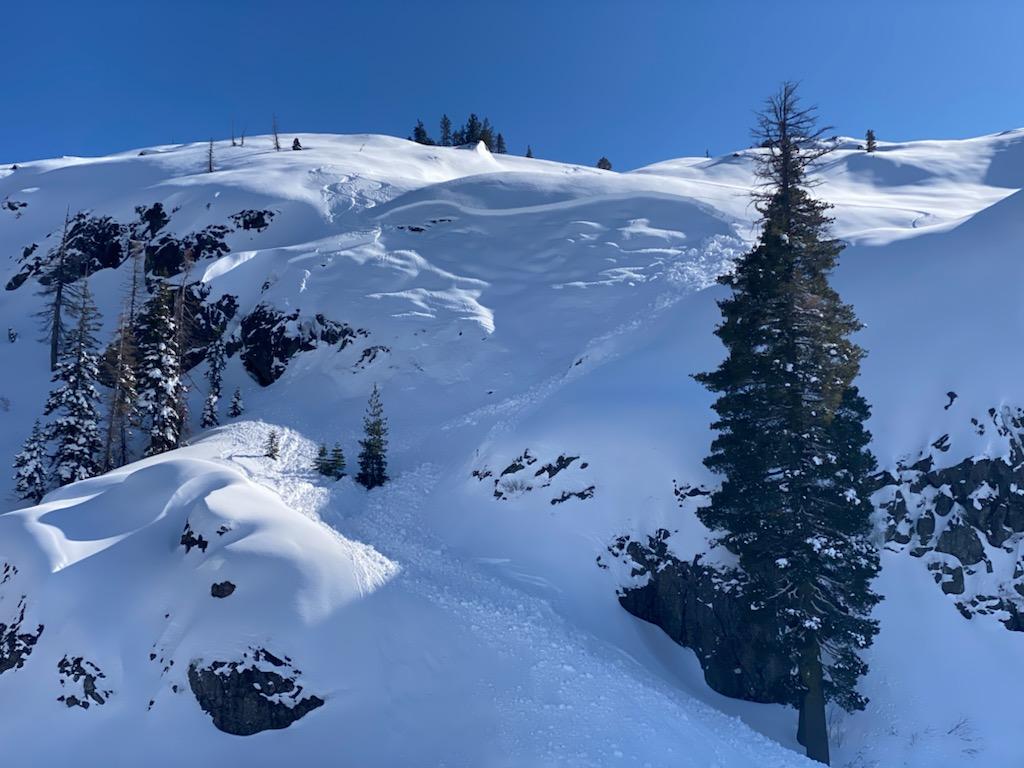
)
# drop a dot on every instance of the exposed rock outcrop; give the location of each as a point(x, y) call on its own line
point(16, 644)
point(222, 589)
point(270, 338)
point(190, 539)
point(258, 693)
point(84, 677)
point(694, 605)
point(966, 520)
point(518, 478)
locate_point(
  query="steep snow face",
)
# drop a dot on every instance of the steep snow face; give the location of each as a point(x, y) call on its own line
point(534, 327)
point(203, 588)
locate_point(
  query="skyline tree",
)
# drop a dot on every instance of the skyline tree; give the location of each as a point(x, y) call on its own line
point(419, 134)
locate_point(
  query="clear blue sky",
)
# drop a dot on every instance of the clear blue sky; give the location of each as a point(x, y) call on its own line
point(638, 81)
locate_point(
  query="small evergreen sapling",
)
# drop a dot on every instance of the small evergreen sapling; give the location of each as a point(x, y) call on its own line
point(336, 462)
point(237, 407)
point(272, 449)
point(214, 372)
point(30, 467)
point(604, 164)
point(373, 462)
point(870, 141)
point(320, 465)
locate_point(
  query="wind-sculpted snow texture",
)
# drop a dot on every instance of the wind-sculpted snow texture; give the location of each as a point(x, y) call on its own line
point(533, 327)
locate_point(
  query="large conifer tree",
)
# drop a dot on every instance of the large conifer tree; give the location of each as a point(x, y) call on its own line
point(791, 444)
point(161, 391)
point(74, 402)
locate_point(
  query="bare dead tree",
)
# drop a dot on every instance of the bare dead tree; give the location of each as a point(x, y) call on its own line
point(233, 142)
point(277, 139)
point(209, 158)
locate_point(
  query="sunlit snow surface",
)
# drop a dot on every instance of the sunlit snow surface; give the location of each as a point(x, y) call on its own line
point(525, 305)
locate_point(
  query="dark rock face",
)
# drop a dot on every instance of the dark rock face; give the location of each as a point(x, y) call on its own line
point(583, 495)
point(86, 677)
point(552, 469)
point(190, 539)
point(372, 353)
point(152, 219)
point(259, 693)
point(270, 338)
point(252, 219)
point(222, 589)
point(207, 321)
point(14, 206)
point(168, 255)
point(16, 645)
point(693, 604)
point(93, 243)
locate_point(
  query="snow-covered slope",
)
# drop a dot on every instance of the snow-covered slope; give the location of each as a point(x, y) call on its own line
point(517, 314)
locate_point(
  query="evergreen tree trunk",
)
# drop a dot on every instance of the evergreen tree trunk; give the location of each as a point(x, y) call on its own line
point(801, 726)
point(812, 708)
